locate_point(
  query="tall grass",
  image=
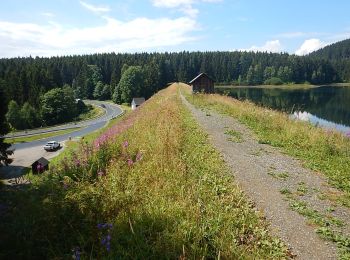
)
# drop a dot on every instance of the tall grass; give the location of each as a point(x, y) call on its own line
point(327, 152)
point(150, 187)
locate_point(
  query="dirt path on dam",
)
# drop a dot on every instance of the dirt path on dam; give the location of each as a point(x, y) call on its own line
point(286, 193)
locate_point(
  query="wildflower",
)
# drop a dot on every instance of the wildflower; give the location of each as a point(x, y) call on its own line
point(76, 253)
point(130, 162)
point(106, 239)
point(125, 144)
point(348, 134)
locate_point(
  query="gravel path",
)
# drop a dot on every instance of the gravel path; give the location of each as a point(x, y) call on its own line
point(262, 172)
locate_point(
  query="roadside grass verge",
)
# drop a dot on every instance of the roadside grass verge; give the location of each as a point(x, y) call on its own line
point(40, 136)
point(149, 187)
point(92, 113)
point(323, 151)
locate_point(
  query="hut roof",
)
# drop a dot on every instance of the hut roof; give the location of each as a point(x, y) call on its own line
point(42, 161)
point(199, 76)
point(138, 101)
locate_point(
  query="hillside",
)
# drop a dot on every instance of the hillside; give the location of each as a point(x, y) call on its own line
point(338, 54)
point(336, 51)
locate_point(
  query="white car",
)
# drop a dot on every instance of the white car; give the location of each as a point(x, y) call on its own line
point(52, 145)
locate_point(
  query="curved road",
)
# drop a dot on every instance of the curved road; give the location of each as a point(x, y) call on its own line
point(26, 153)
point(112, 110)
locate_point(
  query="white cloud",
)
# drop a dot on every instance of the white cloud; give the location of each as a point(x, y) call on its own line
point(309, 46)
point(24, 39)
point(269, 46)
point(94, 8)
point(185, 6)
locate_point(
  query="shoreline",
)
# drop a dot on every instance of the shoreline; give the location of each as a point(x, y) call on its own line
point(284, 86)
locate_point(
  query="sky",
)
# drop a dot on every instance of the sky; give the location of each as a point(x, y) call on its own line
point(68, 27)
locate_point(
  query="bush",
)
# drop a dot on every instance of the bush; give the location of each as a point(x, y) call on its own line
point(273, 81)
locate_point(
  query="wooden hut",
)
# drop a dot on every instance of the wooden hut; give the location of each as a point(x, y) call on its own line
point(137, 102)
point(202, 83)
point(40, 165)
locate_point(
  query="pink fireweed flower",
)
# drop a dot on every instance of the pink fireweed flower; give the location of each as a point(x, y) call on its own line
point(130, 162)
point(125, 144)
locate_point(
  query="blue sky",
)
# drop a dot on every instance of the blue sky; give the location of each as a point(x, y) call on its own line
point(66, 27)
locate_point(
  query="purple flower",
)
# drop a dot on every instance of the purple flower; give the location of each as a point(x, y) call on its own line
point(100, 225)
point(105, 239)
point(76, 253)
point(100, 173)
point(130, 162)
point(125, 144)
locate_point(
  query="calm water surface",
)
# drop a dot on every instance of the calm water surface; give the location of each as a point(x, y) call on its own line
point(325, 105)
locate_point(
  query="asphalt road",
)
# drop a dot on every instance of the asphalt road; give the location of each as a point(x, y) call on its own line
point(112, 110)
point(26, 153)
point(88, 126)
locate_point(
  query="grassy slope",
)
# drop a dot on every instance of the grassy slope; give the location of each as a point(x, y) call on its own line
point(166, 193)
point(326, 152)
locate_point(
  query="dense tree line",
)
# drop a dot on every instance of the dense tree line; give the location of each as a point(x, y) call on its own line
point(57, 106)
point(338, 54)
point(97, 76)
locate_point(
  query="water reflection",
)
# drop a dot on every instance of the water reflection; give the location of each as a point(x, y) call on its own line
point(326, 106)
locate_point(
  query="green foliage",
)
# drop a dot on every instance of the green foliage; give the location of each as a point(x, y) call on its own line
point(102, 91)
point(30, 117)
point(58, 106)
point(13, 115)
point(273, 81)
point(130, 84)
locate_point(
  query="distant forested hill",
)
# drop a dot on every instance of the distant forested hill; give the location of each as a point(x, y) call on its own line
point(336, 51)
point(338, 54)
point(27, 79)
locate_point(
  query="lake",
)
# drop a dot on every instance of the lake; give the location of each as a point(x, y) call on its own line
point(326, 106)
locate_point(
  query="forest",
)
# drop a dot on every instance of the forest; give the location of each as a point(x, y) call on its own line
point(26, 79)
point(121, 77)
point(338, 54)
